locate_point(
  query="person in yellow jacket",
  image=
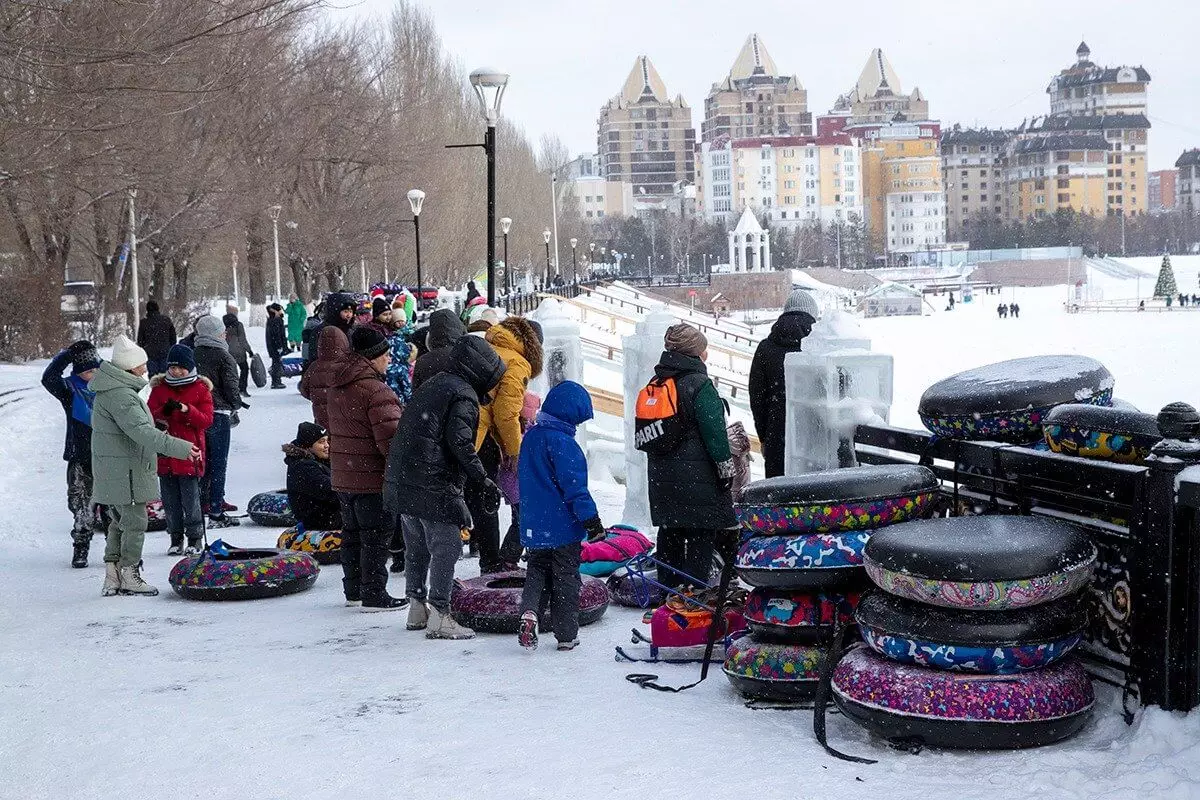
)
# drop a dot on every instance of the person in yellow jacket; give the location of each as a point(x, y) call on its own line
point(498, 437)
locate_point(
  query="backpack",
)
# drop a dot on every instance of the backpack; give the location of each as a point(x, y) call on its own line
point(659, 426)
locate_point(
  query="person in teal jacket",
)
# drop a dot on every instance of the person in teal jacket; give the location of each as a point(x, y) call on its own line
point(125, 450)
point(297, 314)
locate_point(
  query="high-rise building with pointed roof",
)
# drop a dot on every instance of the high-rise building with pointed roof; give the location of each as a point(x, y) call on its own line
point(878, 96)
point(645, 137)
point(754, 100)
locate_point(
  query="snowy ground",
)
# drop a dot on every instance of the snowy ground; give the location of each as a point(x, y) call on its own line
point(299, 697)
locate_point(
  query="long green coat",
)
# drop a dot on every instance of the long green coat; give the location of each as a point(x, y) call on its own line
point(297, 313)
point(125, 443)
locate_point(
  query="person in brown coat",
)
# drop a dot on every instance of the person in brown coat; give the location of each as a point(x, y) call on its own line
point(332, 347)
point(363, 414)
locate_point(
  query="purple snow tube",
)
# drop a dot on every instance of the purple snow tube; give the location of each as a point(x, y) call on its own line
point(492, 603)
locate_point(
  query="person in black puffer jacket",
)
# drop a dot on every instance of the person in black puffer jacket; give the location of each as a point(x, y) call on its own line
point(768, 397)
point(239, 347)
point(445, 328)
point(155, 335)
point(214, 362)
point(432, 456)
point(310, 481)
point(690, 499)
point(277, 344)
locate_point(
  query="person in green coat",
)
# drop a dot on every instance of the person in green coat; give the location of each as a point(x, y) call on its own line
point(125, 450)
point(297, 314)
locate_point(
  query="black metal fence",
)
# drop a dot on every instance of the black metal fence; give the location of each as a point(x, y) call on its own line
point(521, 303)
point(1144, 520)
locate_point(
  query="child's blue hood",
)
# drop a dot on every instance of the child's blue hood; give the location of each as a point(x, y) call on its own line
point(569, 402)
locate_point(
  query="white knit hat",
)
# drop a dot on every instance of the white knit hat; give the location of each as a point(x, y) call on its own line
point(127, 355)
point(800, 300)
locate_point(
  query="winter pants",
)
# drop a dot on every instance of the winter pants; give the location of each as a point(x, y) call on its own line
point(552, 579)
point(396, 547)
point(244, 375)
point(366, 532)
point(486, 533)
point(79, 499)
point(277, 370)
point(510, 548)
point(431, 549)
point(689, 550)
point(126, 534)
point(216, 440)
point(181, 501)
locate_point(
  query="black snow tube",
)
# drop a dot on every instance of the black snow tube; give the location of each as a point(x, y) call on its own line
point(1109, 434)
point(773, 670)
point(243, 574)
point(271, 509)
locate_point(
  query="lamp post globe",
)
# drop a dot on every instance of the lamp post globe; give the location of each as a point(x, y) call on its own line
point(416, 199)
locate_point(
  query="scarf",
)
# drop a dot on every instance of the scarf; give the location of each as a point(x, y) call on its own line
point(212, 341)
point(191, 377)
point(81, 400)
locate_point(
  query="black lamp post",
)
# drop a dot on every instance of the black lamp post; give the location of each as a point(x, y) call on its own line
point(505, 227)
point(546, 237)
point(415, 198)
point(592, 259)
point(574, 262)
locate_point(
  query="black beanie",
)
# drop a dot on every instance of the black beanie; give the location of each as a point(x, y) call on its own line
point(307, 434)
point(379, 306)
point(368, 342)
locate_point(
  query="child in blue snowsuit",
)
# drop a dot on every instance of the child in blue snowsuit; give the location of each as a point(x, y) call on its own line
point(557, 513)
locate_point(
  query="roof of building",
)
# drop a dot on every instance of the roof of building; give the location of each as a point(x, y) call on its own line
point(748, 223)
point(957, 135)
point(753, 59)
point(1084, 122)
point(892, 289)
point(1066, 141)
point(877, 75)
point(1189, 158)
point(1087, 73)
point(644, 83)
point(856, 280)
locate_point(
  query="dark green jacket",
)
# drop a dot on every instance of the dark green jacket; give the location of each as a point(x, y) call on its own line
point(125, 443)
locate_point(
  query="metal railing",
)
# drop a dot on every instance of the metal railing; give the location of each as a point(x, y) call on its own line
point(521, 303)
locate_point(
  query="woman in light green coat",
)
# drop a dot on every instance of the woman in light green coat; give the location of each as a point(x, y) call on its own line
point(125, 450)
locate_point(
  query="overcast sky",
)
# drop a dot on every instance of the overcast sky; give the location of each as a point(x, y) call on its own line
point(978, 63)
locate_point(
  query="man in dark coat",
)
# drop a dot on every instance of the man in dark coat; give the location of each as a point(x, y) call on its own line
point(277, 343)
point(432, 457)
point(214, 362)
point(690, 499)
point(76, 399)
point(768, 397)
point(332, 343)
point(239, 347)
point(363, 413)
point(311, 497)
point(444, 330)
point(155, 335)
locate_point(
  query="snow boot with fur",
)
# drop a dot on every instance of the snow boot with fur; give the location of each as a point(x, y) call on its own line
point(112, 580)
point(132, 583)
point(442, 626)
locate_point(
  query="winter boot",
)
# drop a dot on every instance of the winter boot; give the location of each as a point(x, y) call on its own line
point(228, 507)
point(571, 645)
point(388, 603)
point(527, 634)
point(443, 626)
point(132, 583)
point(112, 580)
point(194, 546)
point(176, 548)
point(418, 615)
point(398, 562)
point(79, 555)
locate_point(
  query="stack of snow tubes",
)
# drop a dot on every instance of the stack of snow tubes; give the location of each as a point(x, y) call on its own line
point(969, 643)
point(802, 551)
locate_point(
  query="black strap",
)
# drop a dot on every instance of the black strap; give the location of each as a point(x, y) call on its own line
point(837, 648)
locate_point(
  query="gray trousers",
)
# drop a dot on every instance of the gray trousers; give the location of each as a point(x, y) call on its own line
point(431, 549)
point(181, 501)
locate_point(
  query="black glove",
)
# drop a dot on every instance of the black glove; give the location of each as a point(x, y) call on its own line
point(595, 529)
point(171, 406)
point(490, 496)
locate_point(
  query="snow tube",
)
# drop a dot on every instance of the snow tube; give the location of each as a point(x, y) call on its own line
point(1101, 433)
point(802, 562)
point(771, 670)
point(324, 546)
point(689, 626)
point(156, 517)
point(243, 574)
point(629, 590)
point(981, 563)
point(492, 603)
point(1006, 402)
point(857, 498)
point(934, 707)
point(987, 642)
point(293, 366)
point(779, 615)
point(271, 509)
point(600, 559)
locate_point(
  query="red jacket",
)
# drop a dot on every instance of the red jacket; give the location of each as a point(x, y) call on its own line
point(190, 426)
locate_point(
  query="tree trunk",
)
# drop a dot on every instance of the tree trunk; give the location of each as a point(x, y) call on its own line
point(300, 281)
point(158, 272)
point(254, 262)
point(179, 288)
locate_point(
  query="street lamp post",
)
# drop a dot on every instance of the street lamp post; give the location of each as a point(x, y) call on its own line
point(415, 198)
point(592, 259)
point(274, 212)
point(137, 312)
point(386, 277)
point(546, 237)
point(489, 87)
point(574, 262)
point(505, 227)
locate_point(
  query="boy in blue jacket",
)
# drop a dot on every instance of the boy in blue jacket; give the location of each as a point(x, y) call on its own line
point(557, 513)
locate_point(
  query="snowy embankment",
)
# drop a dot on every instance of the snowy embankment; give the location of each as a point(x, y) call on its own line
point(300, 697)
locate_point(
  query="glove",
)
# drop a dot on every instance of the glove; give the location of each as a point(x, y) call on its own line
point(171, 406)
point(595, 529)
point(490, 496)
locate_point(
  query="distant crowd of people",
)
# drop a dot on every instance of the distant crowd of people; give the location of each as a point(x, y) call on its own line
point(1004, 310)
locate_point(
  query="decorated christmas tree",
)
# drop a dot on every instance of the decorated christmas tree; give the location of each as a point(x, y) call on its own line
point(1165, 287)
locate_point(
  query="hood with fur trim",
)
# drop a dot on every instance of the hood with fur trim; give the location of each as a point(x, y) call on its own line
point(516, 334)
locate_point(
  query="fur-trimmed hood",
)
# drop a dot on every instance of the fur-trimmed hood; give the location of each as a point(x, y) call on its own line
point(160, 378)
point(516, 334)
point(292, 453)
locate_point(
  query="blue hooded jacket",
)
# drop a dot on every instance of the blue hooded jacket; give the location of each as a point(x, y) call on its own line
point(552, 471)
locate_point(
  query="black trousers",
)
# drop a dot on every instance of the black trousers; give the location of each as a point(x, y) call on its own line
point(486, 533)
point(689, 550)
point(243, 375)
point(276, 370)
point(552, 580)
point(366, 532)
point(510, 548)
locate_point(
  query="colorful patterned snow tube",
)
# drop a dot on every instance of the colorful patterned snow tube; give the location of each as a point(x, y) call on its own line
point(1006, 402)
point(492, 603)
point(984, 642)
point(271, 509)
point(781, 615)
point(243, 574)
point(156, 517)
point(1108, 434)
point(771, 670)
point(629, 590)
point(802, 562)
point(974, 712)
point(981, 563)
point(324, 546)
point(293, 366)
point(600, 559)
point(853, 499)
